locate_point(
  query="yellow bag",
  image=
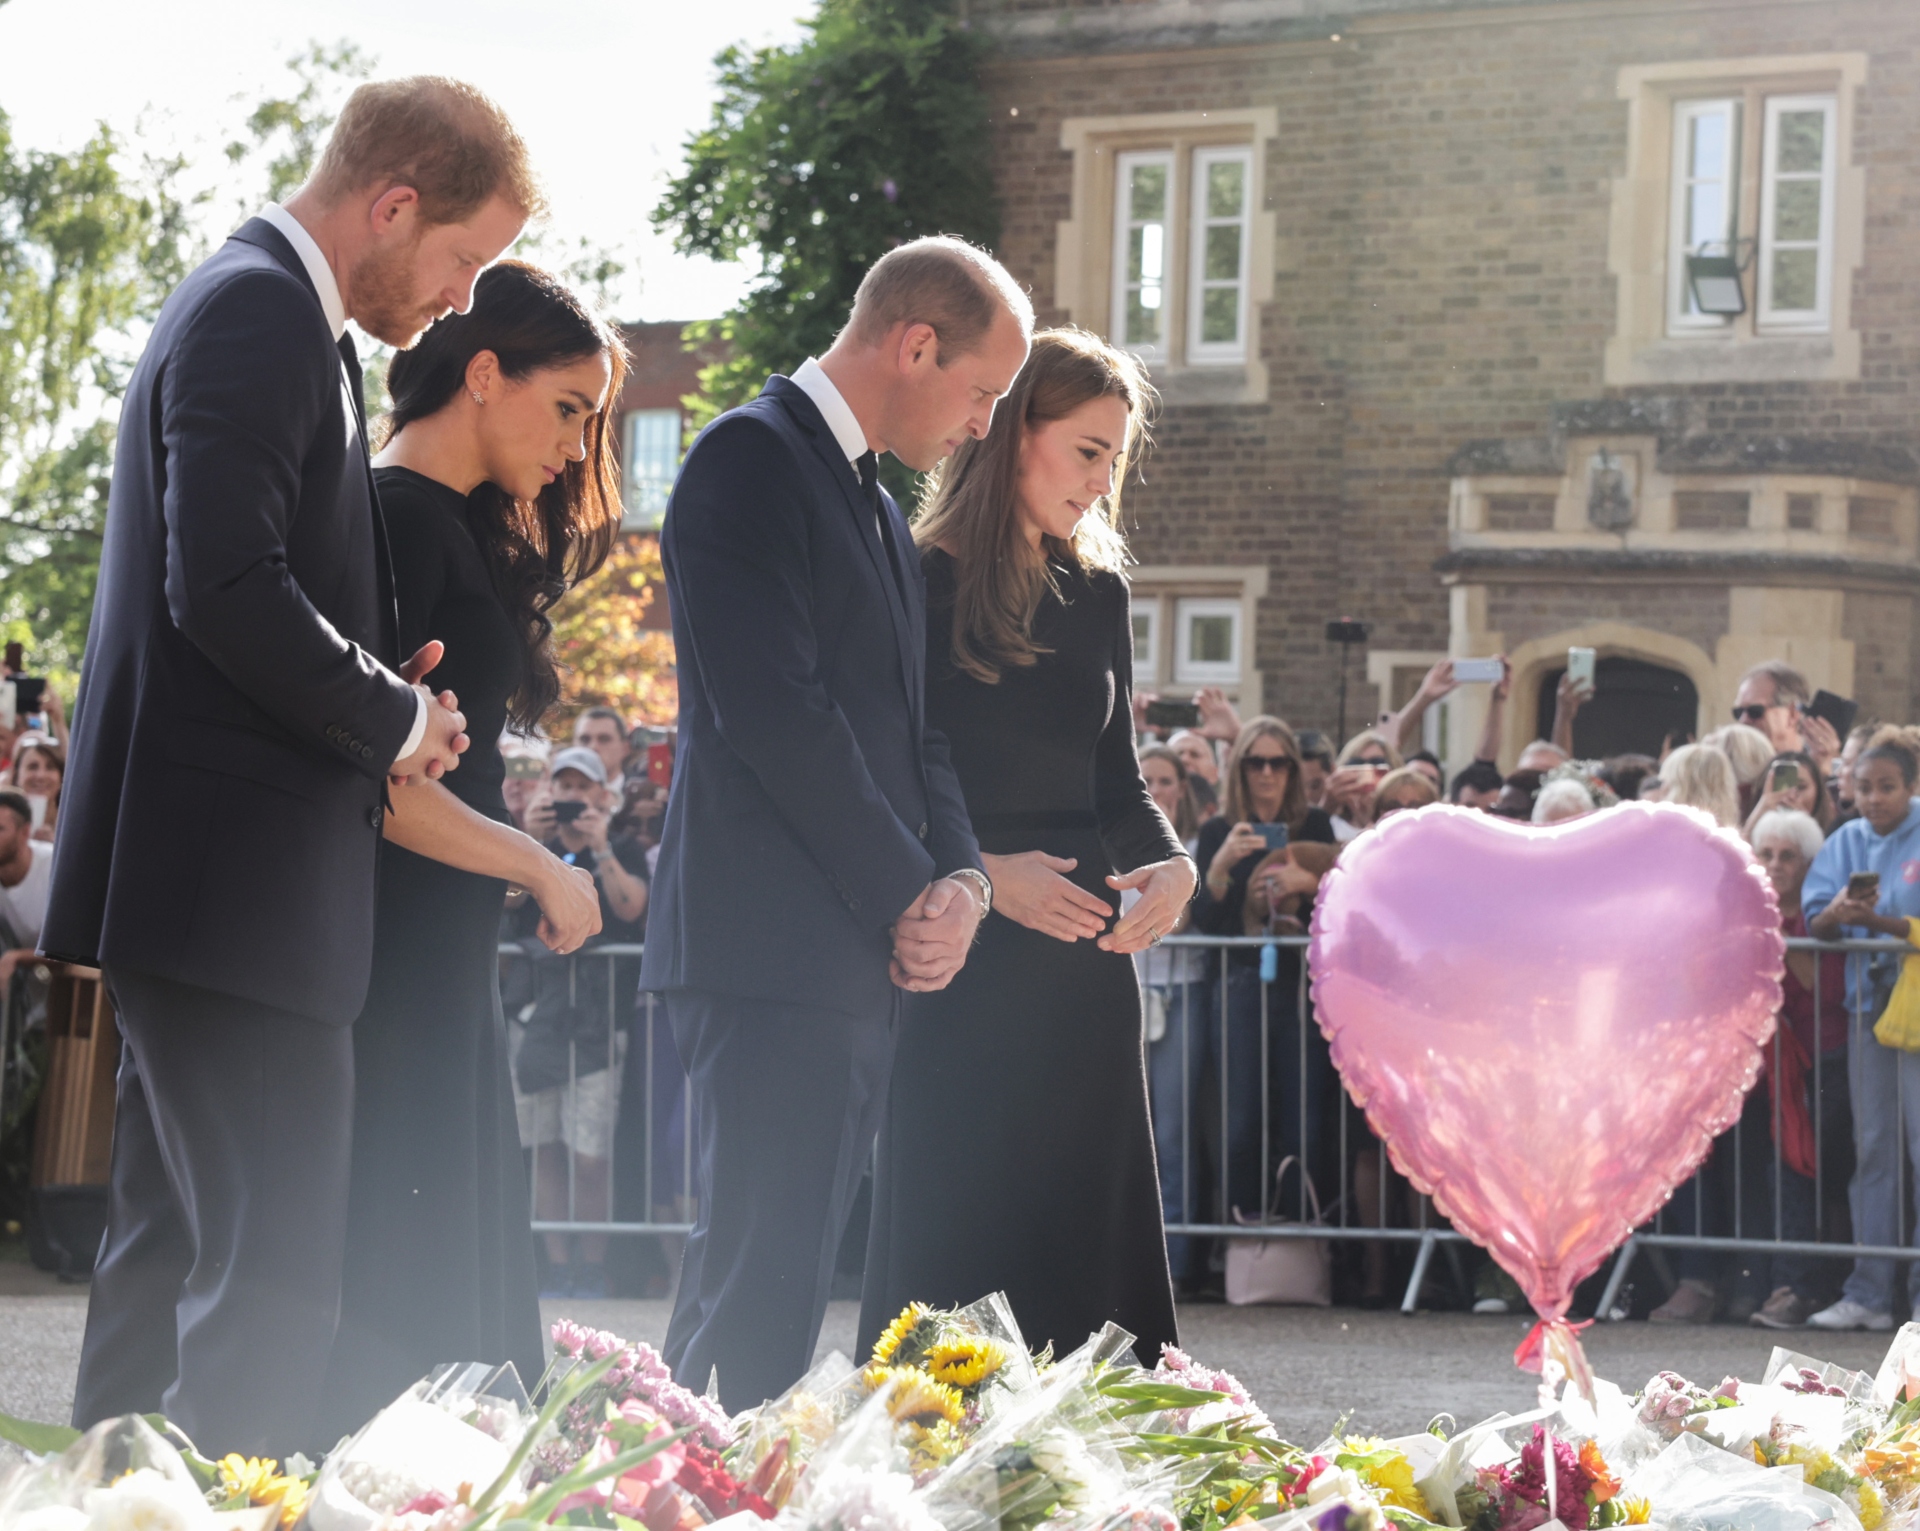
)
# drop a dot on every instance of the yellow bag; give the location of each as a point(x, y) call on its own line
point(1899, 1023)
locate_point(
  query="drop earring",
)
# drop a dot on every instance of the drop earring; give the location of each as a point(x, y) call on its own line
point(477, 397)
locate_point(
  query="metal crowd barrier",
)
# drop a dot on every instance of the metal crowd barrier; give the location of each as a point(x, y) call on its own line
point(1223, 998)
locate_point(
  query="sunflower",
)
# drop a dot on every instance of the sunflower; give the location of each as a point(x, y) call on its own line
point(259, 1482)
point(916, 1399)
point(964, 1363)
point(931, 1447)
point(896, 1333)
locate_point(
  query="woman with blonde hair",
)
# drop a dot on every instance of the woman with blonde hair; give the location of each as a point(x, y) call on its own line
point(1038, 1040)
point(1701, 776)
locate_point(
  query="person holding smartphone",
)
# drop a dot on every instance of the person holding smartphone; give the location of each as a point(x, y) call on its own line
point(1792, 780)
point(1866, 882)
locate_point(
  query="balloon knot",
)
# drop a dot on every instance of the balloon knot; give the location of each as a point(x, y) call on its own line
point(1557, 1340)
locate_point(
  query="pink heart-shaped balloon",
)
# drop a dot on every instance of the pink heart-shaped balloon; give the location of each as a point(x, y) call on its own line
point(1547, 1027)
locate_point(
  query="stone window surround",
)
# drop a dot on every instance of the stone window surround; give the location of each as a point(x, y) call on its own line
point(1640, 350)
point(1166, 583)
point(1768, 526)
point(1084, 243)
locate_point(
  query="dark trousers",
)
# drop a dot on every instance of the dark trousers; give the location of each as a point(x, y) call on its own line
point(217, 1290)
point(786, 1102)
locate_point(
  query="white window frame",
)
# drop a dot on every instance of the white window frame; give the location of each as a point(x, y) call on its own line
point(1217, 353)
point(1206, 672)
point(1819, 319)
point(1146, 650)
point(638, 516)
point(1123, 225)
point(1681, 320)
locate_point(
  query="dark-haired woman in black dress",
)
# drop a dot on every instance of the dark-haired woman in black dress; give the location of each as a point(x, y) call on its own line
point(1016, 1153)
point(499, 490)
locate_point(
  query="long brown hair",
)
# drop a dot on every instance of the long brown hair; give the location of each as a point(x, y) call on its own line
point(1186, 820)
point(536, 550)
point(972, 503)
point(1239, 801)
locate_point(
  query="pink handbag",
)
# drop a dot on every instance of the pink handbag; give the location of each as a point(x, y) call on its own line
point(1295, 1270)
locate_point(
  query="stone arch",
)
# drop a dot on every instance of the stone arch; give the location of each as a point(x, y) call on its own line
point(1534, 659)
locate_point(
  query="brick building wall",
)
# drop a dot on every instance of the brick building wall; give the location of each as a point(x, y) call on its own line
point(1445, 189)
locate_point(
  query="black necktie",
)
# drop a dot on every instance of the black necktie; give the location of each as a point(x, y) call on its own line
point(868, 464)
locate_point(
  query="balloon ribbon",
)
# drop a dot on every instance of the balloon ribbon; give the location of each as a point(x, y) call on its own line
point(1557, 1340)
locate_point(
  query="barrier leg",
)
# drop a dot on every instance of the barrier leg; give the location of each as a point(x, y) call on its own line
point(1411, 1302)
point(1623, 1263)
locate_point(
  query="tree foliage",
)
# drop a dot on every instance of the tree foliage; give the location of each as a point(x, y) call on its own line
point(88, 250)
point(607, 658)
point(290, 129)
point(822, 156)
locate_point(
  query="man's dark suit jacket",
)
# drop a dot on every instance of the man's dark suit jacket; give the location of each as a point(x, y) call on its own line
point(811, 802)
point(223, 797)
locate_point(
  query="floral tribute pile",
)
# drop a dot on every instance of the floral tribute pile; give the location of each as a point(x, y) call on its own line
point(951, 1425)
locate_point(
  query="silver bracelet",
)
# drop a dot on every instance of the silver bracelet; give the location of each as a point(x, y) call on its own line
point(981, 885)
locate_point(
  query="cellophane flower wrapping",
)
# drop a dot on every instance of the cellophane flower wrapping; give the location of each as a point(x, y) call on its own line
point(453, 1430)
point(1695, 1486)
point(860, 1479)
point(777, 1442)
point(120, 1476)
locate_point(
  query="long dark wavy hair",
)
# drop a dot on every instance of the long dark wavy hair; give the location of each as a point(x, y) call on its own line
point(536, 550)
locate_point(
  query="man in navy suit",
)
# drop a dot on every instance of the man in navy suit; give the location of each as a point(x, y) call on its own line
point(241, 711)
point(817, 857)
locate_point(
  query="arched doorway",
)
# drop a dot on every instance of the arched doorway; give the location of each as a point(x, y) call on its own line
point(1635, 707)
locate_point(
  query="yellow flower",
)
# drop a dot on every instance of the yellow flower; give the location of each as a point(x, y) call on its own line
point(896, 1332)
point(1393, 1478)
point(931, 1447)
point(917, 1398)
point(1634, 1512)
point(1871, 1506)
point(963, 1363)
point(258, 1481)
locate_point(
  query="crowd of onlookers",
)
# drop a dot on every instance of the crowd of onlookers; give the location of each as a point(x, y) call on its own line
point(1239, 1077)
point(1241, 1081)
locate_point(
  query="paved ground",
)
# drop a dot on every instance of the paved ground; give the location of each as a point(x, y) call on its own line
point(1306, 1366)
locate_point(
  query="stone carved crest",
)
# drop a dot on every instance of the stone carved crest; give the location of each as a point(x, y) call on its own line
point(1610, 490)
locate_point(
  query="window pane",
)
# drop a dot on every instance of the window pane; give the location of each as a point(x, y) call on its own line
point(1210, 640)
point(1220, 315)
point(1706, 214)
point(1142, 631)
point(1149, 192)
point(1796, 210)
point(1226, 188)
point(1223, 253)
point(1802, 141)
point(1795, 284)
point(1143, 323)
point(1709, 157)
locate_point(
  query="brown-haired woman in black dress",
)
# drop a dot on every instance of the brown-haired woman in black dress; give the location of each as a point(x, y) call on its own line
point(1016, 1153)
point(500, 489)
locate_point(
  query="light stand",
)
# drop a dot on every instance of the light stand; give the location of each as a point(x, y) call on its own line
point(1346, 632)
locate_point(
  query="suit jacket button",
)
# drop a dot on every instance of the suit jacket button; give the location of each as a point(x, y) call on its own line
point(376, 817)
point(366, 752)
point(923, 831)
point(854, 905)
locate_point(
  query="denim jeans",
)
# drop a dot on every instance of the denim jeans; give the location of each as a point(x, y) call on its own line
point(1885, 1085)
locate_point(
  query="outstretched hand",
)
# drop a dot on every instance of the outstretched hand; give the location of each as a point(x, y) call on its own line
point(930, 940)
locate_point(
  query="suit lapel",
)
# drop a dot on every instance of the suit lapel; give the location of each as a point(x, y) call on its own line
point(382, 552)
point(865, 528)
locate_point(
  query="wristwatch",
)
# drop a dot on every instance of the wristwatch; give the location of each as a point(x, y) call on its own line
point(977, 880)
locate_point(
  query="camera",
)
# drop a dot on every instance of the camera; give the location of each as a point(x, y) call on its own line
point(566, 813)
point(1168, 714)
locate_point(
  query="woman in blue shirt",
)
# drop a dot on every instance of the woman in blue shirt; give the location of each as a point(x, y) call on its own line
point(1883, 1081)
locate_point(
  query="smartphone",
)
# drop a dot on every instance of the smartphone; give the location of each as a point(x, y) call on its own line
point(566, 813)
point(1472, 671)
point(1166, 714)
point(660, 764)
point(1785, 778)
point(1580, 665)
point(1864, 887)
point(1840, 711)
point(27, 692)
point(1274, 834)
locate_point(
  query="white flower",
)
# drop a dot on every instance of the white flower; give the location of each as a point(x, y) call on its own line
point(1063, 1457)
point(1339, 1483)
point(851, 1499)
point(145, 1500)
point(49, 1517)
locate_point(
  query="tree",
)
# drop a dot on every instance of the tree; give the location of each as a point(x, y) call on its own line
point(820, 158)
point(607, 658)
point(87, 253)
point(290, 129)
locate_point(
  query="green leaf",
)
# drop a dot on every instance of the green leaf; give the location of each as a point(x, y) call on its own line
point(41, 1440)
point(543, 1504)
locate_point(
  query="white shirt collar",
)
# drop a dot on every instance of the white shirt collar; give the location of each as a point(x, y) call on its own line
point(318, 270)
point(811, 379)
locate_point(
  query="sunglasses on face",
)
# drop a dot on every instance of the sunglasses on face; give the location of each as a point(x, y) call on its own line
point(1264, 763)
point(1755, 712)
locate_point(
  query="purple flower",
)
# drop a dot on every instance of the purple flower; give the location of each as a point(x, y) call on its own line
point(890, 189)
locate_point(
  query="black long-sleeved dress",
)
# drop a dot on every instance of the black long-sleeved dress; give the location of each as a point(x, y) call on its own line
point(1016, 1153)
point(440, 1263)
